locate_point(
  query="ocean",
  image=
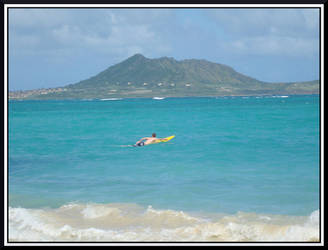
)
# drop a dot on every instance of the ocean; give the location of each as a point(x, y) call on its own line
point(240, 169)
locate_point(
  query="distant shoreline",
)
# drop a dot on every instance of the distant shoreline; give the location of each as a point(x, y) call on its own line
point(68, 93)
point(164, 97)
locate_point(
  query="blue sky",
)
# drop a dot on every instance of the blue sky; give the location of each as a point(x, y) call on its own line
point(56, 47)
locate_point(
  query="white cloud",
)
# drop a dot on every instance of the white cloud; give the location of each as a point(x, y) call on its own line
point(272, 46)
point(37, 18)
point(110, 31)
point(249, 22)
point(288, 32)
point(311, 20)
point(24, 40)
point(67, 34)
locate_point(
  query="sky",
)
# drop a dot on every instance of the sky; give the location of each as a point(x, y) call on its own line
point(54, 47)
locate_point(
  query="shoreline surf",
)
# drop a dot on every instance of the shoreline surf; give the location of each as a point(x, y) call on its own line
point(120, 222)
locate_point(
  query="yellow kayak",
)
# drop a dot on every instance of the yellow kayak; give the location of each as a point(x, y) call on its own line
point(165, 139)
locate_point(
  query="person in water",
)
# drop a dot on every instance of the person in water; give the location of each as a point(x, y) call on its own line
point(147, 140)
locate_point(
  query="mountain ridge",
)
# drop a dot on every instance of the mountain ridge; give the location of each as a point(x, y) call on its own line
point(138, 76)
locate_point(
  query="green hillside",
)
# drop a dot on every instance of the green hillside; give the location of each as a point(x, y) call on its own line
point(139, 76)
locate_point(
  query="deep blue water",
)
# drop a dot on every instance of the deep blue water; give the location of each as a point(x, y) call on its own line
point(250, 154)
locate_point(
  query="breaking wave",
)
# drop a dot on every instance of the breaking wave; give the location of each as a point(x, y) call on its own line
point(117, 222)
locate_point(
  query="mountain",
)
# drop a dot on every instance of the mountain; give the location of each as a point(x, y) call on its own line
point(139, 76)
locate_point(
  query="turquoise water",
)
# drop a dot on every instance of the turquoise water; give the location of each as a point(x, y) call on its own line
point(230, 154)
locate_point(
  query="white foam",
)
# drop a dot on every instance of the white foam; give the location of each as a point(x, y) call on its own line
point(280, 96)
point(96, 211)
point(313, 219)
point(130, 222)
point(111, 99)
